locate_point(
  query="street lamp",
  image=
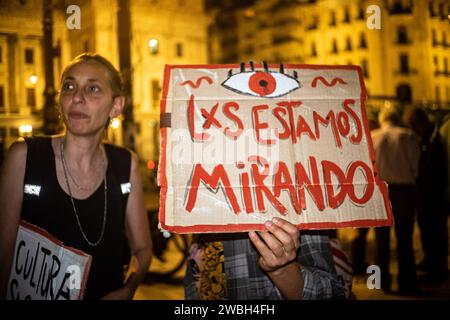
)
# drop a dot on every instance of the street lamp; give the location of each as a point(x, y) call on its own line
point(25, 130)
point(153, 44)
point(33, 79)
point(249, 13)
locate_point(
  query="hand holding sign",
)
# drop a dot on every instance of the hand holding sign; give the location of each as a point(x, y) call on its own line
point(278, 246)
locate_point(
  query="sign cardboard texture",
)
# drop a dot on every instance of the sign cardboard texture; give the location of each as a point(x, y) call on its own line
point(241, 144)
point(44, 269)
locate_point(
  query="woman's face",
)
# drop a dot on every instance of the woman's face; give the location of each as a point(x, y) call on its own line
point(86, 98)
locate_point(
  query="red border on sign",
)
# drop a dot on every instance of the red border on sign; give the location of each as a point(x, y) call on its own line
point(48, 236)
point(162, 163)
point(260, 226)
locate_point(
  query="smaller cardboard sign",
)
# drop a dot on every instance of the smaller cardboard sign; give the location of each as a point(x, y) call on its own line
point(44, 269)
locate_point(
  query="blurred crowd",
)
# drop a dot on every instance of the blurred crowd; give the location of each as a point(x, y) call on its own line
point(412, 148)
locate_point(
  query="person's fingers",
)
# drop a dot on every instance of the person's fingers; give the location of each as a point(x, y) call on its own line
point(287, 240)
point(259, 244)
point(268, 261)
point(290, 229)
point(275, 246)
point(278, 245)
point(286, 225)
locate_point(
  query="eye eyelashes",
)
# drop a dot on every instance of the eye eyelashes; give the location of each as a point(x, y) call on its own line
point(266, 84)
point(265, 67)
point(91, 89)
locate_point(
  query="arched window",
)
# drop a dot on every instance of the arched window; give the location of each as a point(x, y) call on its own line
point(348, 44)
point(346, 15)
point(404, 93)
point(313, 50)
point(441, 10)
point(360, 12)
point(402, 34)
point(404, 63)
point(434, 38)
point(436, 65)
point(334, 46)
point(363, 40)
point(437, 93)
point(397, 5)
point(431, 9)
point(333, 18)
point(365, 68)
point(401, 6)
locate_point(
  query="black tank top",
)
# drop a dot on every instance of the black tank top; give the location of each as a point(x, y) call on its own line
point(52, 210)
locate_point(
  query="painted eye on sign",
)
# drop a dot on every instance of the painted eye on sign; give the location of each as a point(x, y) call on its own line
point(267, 84)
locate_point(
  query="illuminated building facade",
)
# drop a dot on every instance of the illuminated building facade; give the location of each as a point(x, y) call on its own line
point(407, 58)
point(162, 32)
point(22, 80)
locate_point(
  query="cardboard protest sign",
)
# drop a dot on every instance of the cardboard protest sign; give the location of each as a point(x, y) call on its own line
point(241, 144)
point(44, 269)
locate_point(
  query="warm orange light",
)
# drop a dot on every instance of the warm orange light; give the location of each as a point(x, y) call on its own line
point(151, 164)
point(249, 13)
point(26, 129)
point(115, 123)
point(152, 43)
point(33, 79)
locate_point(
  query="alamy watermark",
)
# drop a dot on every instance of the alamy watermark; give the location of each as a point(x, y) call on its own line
point(74, 20)
point(374, 19)
point(219, 148)
point(374, 280)
point(75, 277)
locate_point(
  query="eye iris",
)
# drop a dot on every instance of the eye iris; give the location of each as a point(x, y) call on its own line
point(262, 83)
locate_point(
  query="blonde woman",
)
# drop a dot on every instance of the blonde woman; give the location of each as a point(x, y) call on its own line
point(81, 202)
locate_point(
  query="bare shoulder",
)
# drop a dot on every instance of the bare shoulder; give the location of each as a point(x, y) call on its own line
point(134, 164)
point(13, 171)
point(17, 152)
point(134, 158)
